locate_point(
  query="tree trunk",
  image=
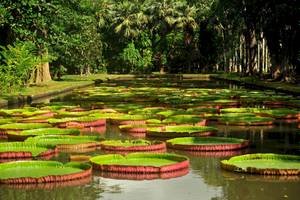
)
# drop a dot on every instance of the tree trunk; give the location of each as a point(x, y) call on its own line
point(42, 72)
point(251, 50)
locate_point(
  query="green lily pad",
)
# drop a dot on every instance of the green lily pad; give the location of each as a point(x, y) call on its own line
point(264, 163)
point(38, 169)
point(138, 159)
point(23, 126)
point(22, 147)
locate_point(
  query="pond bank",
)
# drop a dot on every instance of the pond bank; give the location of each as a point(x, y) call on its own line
point(253, 82)
point(69, 83)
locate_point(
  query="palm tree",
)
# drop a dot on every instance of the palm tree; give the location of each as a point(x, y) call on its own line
point(129, 18)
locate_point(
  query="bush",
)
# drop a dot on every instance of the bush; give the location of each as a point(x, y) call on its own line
point(17, 63)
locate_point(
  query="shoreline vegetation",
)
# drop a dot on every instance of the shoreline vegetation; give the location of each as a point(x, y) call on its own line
point(71, 82)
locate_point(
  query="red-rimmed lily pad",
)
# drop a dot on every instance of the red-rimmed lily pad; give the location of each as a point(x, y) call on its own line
point(87, 121)
point(140, 163)
point(16, 150)
point(264, 164)
point(138, 128)
point(20, 136)
point(142, 176)
point(185, 119)
point(21, 126)
point(207, 143)
point(24, 172)
point(140, 145)
point(181, 131)
point(66, 142)
point(247, 121)
point(132, 119)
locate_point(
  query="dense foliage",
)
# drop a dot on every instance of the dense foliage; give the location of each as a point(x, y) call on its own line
point(141, 36)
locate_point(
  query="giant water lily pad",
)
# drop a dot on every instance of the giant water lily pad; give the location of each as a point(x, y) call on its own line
point(184, 119)
point(8, 120)
point(23, 150)
point(23, 126)
point(140, 163)
point(85, 121)
point(17, 111)
point(181, 131)
point(24, 172)
point(264, 164)
point(41, 131)
point(240, 110)
point(280, 113)
point(132, 119)
point(138, 128)
point(133, 145)
point(247, 121)
point(65, 141)
point(207, 143)
point(144, 111)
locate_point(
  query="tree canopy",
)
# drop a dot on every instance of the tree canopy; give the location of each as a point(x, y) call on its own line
point(257, 38)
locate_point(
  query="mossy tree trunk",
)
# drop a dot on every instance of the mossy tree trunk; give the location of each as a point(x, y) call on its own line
point(41, 73)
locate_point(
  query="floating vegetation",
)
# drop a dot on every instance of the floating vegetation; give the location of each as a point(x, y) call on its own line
point(41, 131)
point(207, 143)
point(132, 119)
point(86, 121)
point(181, 131)
point(5, 128)
point(247, 121)
point(140, 163)
point(65, 142)
point(133, 146)
point(185, 119)
point(15, 150)
point(24, 172)
point(263, 164)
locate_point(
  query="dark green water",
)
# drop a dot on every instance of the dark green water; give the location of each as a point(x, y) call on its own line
point(204, 181)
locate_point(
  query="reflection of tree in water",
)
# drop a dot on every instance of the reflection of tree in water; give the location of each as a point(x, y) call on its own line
point(276, 139)
point(207, 167)
point(259, 188)
point(93, 190)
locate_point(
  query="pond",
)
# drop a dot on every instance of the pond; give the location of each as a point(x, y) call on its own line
point(205, 180)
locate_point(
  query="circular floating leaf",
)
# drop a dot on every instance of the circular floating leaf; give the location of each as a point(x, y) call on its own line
point(41, 131)
point(23, 150)
point(133, 145)
point(24, 172)
point(207, 143)
point(65, 141)
point(247, 121)
point(264, 164)
point(23, 126)
point(140, 163)
point(183, 119)
point(181, 131)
